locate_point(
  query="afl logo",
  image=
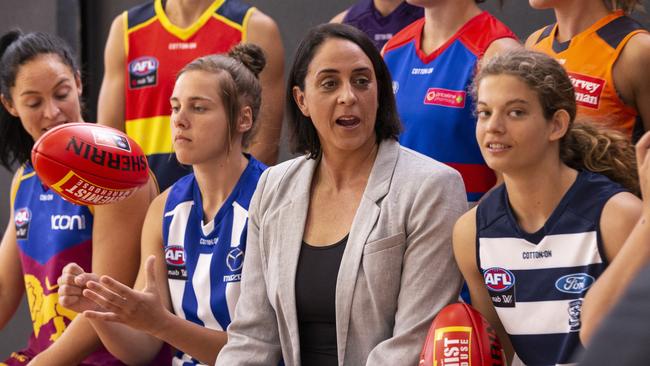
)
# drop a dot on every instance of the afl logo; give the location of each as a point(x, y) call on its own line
point(22, 216)
point(143, 66)
point(175, 255)
point(575, 283)
point(235, 259)
point(498, 279)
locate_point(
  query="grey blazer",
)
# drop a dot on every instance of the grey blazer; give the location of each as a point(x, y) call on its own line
point(396, 273)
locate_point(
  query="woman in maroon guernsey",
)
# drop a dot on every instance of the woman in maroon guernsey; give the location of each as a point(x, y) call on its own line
point(40, 88)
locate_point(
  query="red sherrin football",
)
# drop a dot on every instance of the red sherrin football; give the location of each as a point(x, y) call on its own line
point(460, 336)
point(89, 164)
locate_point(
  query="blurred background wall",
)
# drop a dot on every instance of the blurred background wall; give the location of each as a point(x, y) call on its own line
point(85, 24)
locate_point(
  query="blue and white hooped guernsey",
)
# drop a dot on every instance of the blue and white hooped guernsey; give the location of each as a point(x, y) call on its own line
point(537, 281)
point(204, 260)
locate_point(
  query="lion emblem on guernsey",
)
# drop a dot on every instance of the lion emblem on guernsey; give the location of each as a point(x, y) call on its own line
point(45, 308)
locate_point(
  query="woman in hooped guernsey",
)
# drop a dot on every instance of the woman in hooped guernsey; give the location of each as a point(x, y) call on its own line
point(40, 88)
point(194, 237)
point(535, 245)
point(349, 255)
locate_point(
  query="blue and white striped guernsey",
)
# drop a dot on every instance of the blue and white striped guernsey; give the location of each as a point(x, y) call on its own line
point(537, 281)
point(204, 260)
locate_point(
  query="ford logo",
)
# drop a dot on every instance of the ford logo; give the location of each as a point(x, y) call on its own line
point(575, 283)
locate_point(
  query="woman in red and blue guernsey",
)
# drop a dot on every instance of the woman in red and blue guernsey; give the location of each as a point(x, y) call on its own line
point(432, 62)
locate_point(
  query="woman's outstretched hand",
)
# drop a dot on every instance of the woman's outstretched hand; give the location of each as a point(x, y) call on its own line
point(142, 310)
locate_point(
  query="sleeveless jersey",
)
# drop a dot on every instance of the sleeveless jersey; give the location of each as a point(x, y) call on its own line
point(364, 16)
point(156, 50)
point(589, 58)
point(50, 233)
point(537, 281)
point(204, 261)
point(432, 96)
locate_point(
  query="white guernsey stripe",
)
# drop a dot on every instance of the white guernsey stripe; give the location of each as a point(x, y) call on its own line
point(177, 227)
point(202, 287)
point(535, 318)
point(554, 251)
point(232, 295)
point(176, 236)
point(207, 228)
point(240, 215)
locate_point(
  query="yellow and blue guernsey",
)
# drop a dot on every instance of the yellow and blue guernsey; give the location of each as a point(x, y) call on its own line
point(156, 50)
point(537, 281)
point(50, 233)
point(205, 256)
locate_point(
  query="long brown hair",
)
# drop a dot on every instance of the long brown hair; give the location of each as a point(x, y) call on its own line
point(584, 146)
point(239, 83)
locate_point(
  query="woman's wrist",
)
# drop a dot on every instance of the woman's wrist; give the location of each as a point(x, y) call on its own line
point(163, 325)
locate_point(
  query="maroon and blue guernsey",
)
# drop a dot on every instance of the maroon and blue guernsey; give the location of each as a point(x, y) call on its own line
point(50, 233)
point(364, 16)
point(433, 99)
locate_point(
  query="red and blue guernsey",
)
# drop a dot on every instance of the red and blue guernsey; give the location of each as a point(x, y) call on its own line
point(433, 100)
point(365, 16)
point(50, 233)
point(205, 256)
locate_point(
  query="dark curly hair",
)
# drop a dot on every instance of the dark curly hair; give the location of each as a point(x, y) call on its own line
point(584, 146)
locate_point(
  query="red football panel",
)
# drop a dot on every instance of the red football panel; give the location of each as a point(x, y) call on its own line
point(460, 336)
point(74, 145)
point(89, 164)
point(75, 188)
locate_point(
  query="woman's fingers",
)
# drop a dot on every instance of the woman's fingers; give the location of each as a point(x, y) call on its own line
point(104, 297)
point(99, 315)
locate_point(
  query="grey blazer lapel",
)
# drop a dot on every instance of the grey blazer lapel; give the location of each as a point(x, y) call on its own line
point(363, 223)
point(291, 225)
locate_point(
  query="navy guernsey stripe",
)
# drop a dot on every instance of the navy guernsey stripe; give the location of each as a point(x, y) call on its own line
point(234, 10)
point(140, 14)
point(615, 31)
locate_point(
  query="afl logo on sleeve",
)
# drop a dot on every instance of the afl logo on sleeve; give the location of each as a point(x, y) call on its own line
point(22, 217)
point(501, 285)
point(175, 259)
point(143, 72)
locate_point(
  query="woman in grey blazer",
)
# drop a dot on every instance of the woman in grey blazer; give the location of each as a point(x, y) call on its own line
point(349, 252)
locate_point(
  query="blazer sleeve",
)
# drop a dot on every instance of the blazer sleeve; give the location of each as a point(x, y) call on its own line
point(253, 334)
point(430, 278)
